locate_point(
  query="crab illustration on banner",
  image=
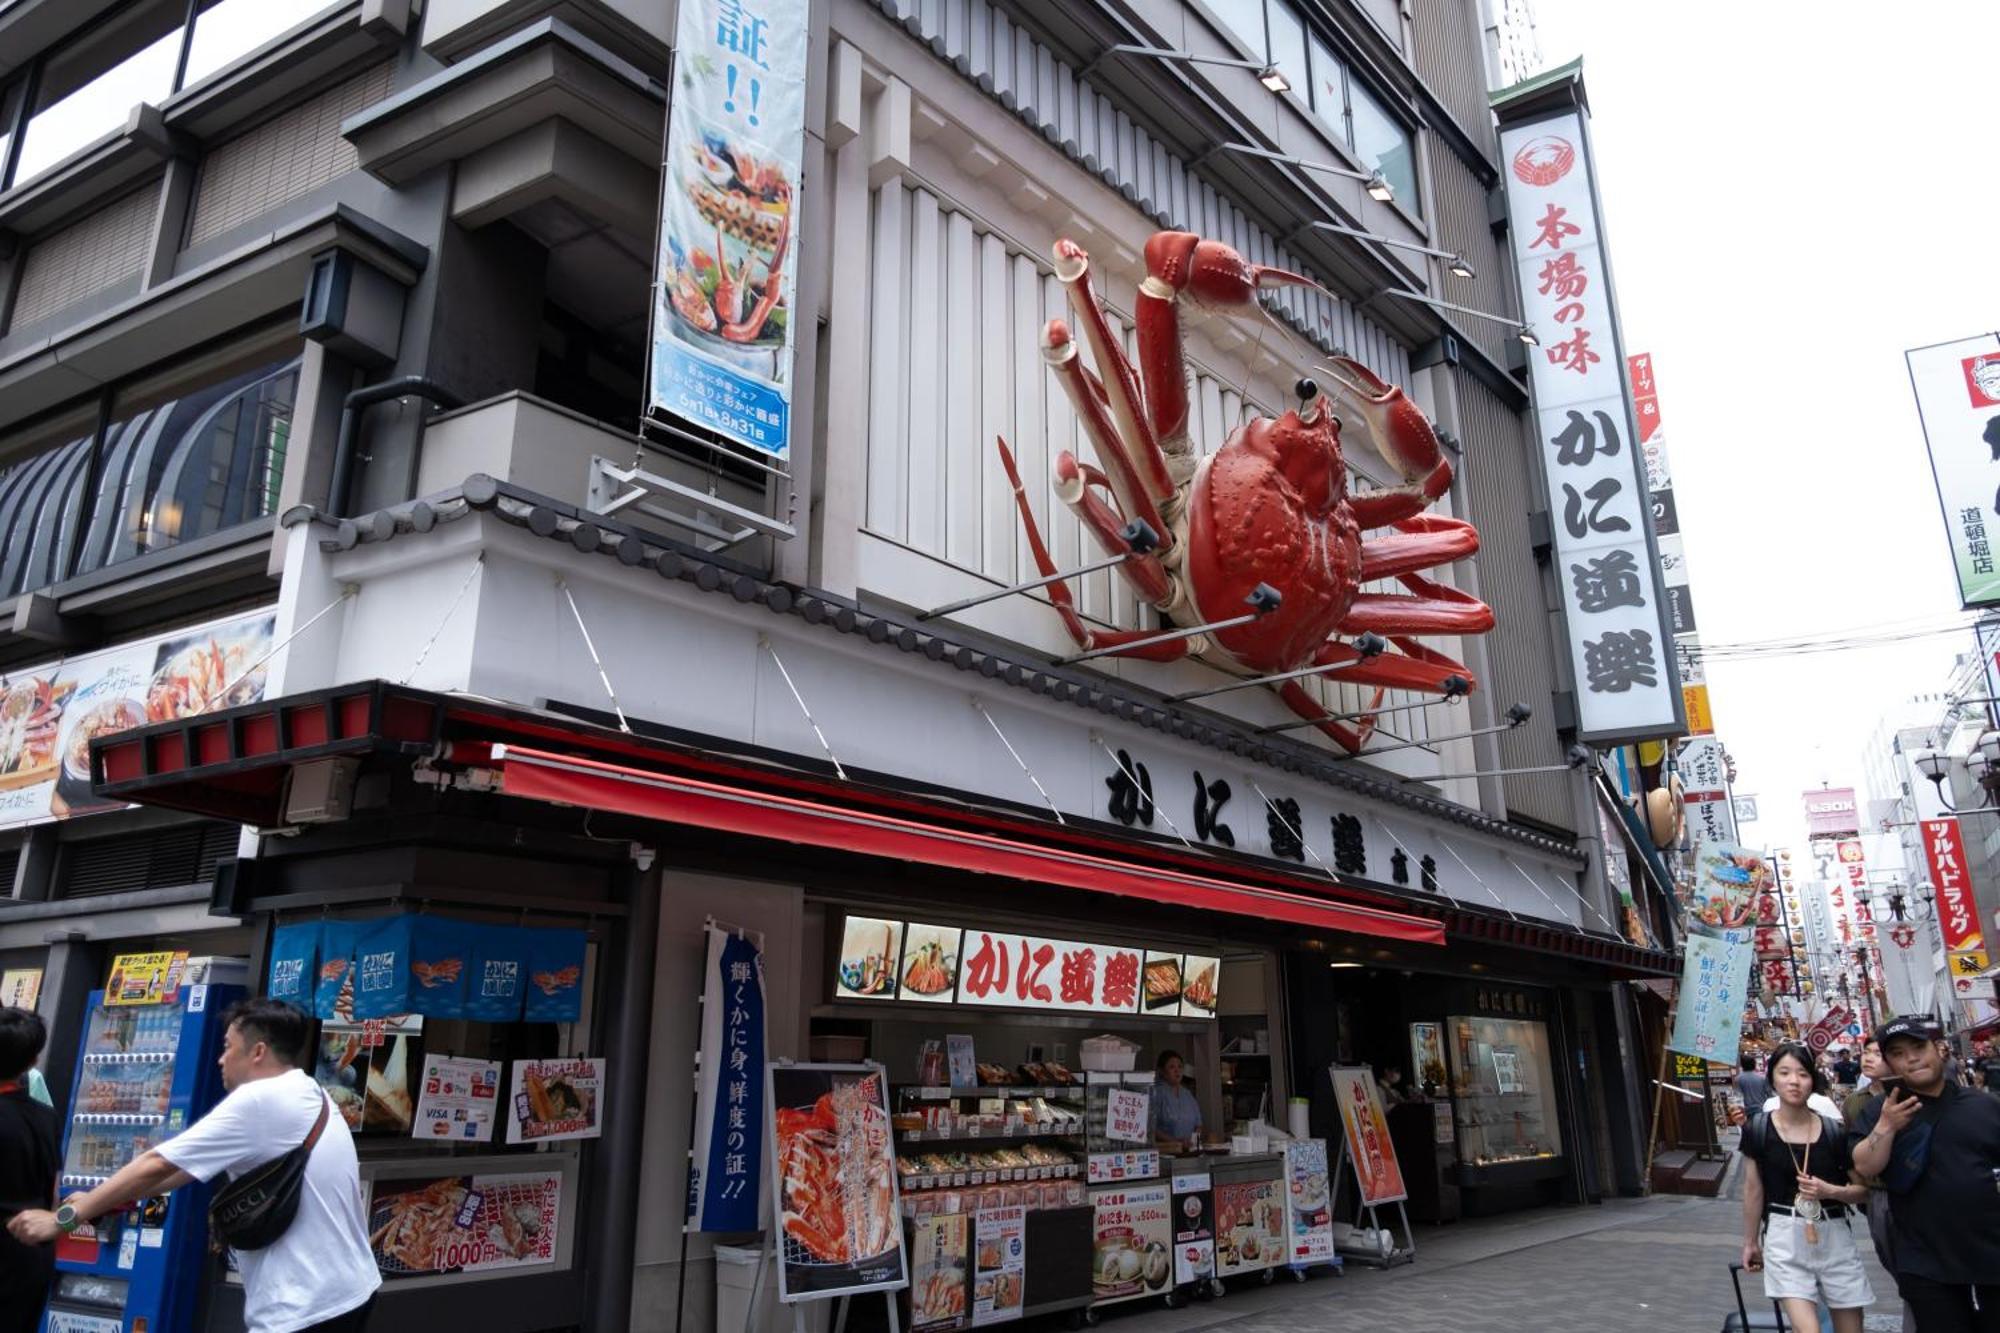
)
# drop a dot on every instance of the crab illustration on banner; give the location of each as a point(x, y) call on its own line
point(1267, 521)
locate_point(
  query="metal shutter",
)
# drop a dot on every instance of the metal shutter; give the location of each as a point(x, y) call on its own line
point(155, 859)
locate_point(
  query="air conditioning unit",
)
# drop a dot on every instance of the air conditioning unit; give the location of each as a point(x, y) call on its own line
point(321, 791)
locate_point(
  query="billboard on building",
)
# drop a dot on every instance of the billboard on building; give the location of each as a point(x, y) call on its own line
point(1832, 812)
point(1704, 772)
point(1593, 470)
point(726, 279)
point(1957, 385)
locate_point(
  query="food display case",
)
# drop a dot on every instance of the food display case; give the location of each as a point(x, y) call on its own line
point(146, 1070)
point(1013, 1145)
point(1503, 1099)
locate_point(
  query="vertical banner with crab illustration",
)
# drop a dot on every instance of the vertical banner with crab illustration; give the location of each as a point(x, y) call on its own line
point(833, 1182)
point(1721, 944)
point(728, 265)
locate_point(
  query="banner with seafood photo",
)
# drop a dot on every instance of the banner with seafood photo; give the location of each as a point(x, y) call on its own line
point(728, 264)
point(833, 1181)
point(50, 713)
point(1721, 946)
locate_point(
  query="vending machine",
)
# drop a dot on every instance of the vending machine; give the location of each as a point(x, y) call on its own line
point(147, 1069)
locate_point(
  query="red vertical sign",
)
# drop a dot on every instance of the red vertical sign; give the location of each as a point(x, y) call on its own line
point(1944, 852)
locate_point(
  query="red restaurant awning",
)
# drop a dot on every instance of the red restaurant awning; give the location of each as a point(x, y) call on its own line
point(677, 799)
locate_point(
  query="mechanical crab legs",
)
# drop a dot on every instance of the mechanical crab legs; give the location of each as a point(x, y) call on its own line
point(1269, 510)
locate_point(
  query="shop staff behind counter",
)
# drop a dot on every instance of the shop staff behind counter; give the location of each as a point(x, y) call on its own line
point(1176, 1114)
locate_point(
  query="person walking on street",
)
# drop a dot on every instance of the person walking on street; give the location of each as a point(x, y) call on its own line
point(1845, 1071)
point(320, 1273)
point(1751, 1087)
point(1872, 1069)
point(1796, 1202)
point(29, 1161)
point(1936, 1146)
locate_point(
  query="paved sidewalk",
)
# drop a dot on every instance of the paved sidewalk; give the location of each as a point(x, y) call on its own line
point(1658, 1265)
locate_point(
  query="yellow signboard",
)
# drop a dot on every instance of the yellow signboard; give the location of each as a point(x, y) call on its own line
point(1968, 962)
point(144, 978)
point(19, 989)
point(1689, 1066)
point(1701, 722)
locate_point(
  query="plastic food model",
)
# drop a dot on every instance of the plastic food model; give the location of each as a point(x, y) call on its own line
point(1267, 521)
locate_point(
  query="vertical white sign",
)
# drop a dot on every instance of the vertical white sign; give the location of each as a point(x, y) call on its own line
point(728, 262)
point(1592, 462)
point(1958, 400)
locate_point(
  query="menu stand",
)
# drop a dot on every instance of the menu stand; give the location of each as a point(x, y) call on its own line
point(1345, 1169)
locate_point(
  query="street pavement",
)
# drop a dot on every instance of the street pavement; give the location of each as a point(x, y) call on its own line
point(1655, 1265)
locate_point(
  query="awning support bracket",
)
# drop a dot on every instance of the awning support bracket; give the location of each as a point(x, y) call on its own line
point(980, 704)
point(596, 661)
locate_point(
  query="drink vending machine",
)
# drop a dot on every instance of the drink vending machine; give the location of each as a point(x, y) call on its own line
point(146, 1071)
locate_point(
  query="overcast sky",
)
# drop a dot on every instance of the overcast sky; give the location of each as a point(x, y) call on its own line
point(1792, 199)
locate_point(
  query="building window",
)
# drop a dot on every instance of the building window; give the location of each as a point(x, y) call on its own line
point(89, 87)
point(1355, 117)
point(182, 455)
point(1382, 144)
point(145, 52)
point(227, 30)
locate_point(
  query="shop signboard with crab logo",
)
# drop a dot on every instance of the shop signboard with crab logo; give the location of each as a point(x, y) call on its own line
point(1608, 558)
point(50, 713)
point(727, 274)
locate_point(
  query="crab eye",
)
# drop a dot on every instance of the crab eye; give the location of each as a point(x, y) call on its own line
point(1306, 390)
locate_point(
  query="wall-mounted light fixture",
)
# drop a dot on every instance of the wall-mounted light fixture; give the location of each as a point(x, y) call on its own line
point(1454, 263)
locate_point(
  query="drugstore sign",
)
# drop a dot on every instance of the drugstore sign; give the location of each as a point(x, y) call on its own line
point(886, 959)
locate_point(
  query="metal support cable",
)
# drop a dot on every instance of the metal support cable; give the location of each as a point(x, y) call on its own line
point(764, 642)
point(449, 612)
point(980, 704)
point(347, 593)
point(1498, 901)
point(597, 661)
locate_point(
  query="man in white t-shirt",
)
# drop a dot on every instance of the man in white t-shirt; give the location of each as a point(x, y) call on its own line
point(320, 1275)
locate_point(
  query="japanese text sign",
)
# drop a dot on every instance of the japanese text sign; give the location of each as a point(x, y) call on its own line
point(1592, 462)
point(728, 1150)
point(728, 264)
point(1832, 812)
point(1958, 400)
point(1944, 854)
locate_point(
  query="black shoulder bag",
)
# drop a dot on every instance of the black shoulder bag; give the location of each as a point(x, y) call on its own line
point(251, 1211)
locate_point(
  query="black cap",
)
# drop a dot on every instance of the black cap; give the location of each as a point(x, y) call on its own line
point(1923, 1027)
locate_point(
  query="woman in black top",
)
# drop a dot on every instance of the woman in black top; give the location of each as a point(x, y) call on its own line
point(1797, 1202)
point(28, 1167)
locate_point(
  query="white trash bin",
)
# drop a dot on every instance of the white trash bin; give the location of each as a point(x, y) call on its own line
point(738, 1283)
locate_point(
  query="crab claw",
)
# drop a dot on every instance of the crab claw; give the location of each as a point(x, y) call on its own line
point(1210, 273)
point(1395, 426)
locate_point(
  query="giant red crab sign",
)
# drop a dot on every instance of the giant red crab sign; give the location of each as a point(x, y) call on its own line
point(1268, 513)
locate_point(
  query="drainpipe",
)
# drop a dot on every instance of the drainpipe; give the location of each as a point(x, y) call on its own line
point(409, 386)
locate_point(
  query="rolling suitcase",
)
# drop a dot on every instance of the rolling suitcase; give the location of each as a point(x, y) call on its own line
point(1742, 1321)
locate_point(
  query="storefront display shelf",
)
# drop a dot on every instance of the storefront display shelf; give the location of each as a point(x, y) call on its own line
point(1001, 1135)
point(1071, 1091)
point(1517, 1171)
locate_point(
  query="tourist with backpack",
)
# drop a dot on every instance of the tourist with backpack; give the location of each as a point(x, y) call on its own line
point(1798, 1202)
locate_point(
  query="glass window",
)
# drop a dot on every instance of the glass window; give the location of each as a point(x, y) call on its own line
point(1502, 1091)
point(1288, 46)
point(1245, 18)
point(41, 491)
point(204, 456)
point(1381, 142)
point(1329, 92)
point(1388, 16)
point(10, 96)
point(89, 88)
point(227, 30)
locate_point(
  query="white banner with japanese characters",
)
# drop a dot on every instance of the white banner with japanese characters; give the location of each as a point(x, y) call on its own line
point(728, 264)
point(1598, 504)
point(1958, 399)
